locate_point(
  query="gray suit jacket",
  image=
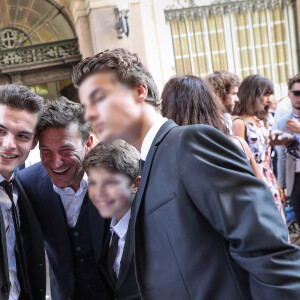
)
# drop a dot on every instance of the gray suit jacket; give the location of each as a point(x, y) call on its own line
point(205, 228)
point(286, 162)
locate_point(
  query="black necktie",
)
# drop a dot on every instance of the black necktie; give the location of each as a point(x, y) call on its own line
point(111, 256)
point(141, 163)
point(19, 251)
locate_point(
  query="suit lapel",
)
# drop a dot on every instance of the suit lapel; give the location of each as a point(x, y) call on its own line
point(97, 229)
point(4, 275)
point(166, 127)
point(27, 220)
point(56, 227)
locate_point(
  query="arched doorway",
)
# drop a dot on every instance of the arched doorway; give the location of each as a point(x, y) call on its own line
point(38, 46)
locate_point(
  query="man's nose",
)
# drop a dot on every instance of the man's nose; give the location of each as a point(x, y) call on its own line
point(56, 161)
point(90, 114)
point(9, 142)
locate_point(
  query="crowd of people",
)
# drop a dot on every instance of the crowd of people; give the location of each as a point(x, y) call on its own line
point(138, 196)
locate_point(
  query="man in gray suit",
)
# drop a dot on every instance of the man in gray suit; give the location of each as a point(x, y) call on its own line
point(289, 155)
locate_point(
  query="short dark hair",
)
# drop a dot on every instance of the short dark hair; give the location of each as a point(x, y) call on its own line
point(250, 94)
point(60, 113)
point(117, 156)
point(127, 67)
point(222, 81)
point(20, 97)
point(188, 100)
point(295, 79)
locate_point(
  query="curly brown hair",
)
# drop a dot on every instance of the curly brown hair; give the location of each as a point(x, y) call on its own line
point(117, 157)
point(189, 100)
point(126, 66)
point(60, 113)
point(222, 81)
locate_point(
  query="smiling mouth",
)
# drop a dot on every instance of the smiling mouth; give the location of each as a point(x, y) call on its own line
point(9, 156)
point(106, 203)
point(60, 172)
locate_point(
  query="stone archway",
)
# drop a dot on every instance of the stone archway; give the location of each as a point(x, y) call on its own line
point(38, 45)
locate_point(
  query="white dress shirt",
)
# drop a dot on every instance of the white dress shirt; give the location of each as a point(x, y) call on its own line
point(72, 201)
point(148, 140)
point(120, 228)
point(5, 204)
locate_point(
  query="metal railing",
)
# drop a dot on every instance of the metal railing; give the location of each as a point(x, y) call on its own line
point(39, 53)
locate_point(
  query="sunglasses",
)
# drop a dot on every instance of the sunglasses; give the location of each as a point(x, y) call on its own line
point(296, 93)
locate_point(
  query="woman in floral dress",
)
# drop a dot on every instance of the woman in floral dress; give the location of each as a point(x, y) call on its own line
point(250, 123)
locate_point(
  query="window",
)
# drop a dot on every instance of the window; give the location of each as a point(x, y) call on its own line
point(242, 37)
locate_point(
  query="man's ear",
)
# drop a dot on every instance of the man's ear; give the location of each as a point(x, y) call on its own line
point(88, 144)
point(141, 91)
point(34, 143)
point(136, 184)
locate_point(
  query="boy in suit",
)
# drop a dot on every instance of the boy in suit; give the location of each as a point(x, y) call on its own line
point(22, 255)
point(113, 179)
point(203, 226)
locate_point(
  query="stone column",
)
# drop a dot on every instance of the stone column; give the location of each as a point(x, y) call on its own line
point(148, 36)
point(82, 26)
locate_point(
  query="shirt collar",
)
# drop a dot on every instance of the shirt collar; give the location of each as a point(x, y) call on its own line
point(2, 178)
point(120, 228)
point(148, 140)
point(5, 201)
point(69, 191)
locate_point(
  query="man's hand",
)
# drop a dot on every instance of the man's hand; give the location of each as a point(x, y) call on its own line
point(293, 126)
point(278, 138)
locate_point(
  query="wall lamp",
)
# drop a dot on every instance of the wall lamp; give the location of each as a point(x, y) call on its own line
point(121, 13)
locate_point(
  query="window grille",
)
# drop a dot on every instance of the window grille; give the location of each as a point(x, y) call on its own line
point(242, 37)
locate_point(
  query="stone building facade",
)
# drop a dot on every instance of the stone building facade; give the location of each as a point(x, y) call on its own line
point(42, 40)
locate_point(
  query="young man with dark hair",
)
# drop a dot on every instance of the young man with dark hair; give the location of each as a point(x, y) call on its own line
point(113, 180)
point(22, 255)
point(72, 227)
point(226, 86)
point(204, 227)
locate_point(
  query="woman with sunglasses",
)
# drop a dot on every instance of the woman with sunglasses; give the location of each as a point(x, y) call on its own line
point(251, 123)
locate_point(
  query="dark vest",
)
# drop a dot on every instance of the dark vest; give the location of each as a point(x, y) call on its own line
point(86, 273)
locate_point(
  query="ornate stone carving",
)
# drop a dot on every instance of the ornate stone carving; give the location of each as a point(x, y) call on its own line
point(39, 53)
point(184, 4)
point(12, 37)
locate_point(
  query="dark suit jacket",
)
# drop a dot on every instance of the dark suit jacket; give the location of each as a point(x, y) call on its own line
point(33, 245)
point(126, 286)
point(51, 214)
point(205, 227)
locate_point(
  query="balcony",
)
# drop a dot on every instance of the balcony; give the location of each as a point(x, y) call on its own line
point(39, 55)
